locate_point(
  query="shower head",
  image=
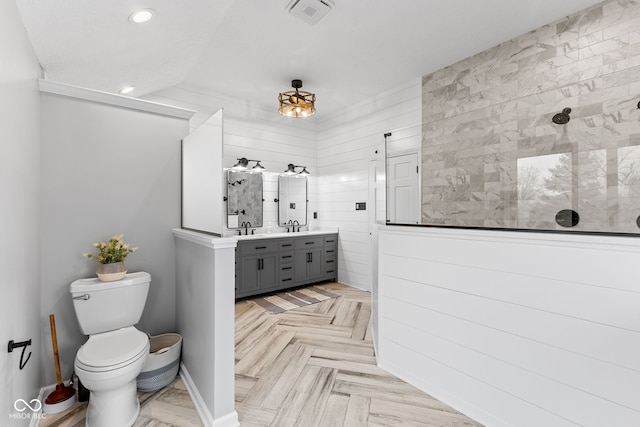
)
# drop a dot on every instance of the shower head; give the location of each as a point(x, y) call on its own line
point(562, 118)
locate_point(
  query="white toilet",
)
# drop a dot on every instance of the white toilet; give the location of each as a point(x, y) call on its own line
point(113, 356)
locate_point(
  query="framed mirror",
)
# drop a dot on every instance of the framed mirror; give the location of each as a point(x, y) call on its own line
point(244, 199)
point(292, 199)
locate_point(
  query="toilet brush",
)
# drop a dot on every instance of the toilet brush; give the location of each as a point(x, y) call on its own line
point(63, 397)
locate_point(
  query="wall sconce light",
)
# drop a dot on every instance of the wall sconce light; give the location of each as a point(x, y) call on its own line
point(243, 164)
point(291, 170)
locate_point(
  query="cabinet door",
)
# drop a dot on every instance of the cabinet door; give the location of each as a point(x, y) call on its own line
point(249, 274)
point(269, 271)
point(314, 264)
point(300, 260)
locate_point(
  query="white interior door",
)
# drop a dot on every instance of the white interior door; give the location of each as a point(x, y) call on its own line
point(402, 189)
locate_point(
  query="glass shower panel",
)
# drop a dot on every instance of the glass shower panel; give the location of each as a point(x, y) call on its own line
point(628, 185)
point(591, 190)
point(544, 187)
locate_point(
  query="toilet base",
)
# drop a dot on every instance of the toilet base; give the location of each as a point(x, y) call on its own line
point(119, 407)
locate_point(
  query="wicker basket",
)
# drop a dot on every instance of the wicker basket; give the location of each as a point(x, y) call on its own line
point(162, 364)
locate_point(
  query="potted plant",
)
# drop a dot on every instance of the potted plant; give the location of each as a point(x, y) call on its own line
point(110, 257)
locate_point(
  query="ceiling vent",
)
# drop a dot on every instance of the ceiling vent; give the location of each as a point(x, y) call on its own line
point(310, 11)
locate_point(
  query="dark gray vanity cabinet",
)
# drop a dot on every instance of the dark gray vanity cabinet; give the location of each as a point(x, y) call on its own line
point(308, 259)
point(256, 270)
point(271, 264)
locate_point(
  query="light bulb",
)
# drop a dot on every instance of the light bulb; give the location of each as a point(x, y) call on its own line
point(127, 89)
point(141, 16)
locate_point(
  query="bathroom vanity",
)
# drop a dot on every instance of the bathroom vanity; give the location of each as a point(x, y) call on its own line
point(270, 262)
point(284, 260)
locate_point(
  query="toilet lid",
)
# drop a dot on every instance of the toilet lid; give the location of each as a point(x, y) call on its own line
point(108, 350)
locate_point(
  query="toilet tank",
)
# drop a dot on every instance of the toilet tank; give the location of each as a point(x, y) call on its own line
point(107, 306)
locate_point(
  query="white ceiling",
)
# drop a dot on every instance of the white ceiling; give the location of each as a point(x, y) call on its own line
point(252, 49)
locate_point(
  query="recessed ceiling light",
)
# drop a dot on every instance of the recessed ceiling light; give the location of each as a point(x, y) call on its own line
point(127, 89)
point(140, 16)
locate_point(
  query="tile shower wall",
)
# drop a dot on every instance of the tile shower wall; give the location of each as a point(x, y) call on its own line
point(491, 155)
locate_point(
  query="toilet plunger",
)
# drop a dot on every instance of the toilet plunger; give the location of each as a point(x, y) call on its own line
point(62, 393)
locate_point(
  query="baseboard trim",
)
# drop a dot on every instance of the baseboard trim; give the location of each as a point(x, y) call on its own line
point(40, 415)
point(228, 420)
point(35, 421)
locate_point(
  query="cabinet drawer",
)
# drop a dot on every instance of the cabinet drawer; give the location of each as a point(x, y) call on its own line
point(286, 273)
point(285, 245)
point(331, 240)
point(308, 243)
point(285, 257)
point(330, 272)
point(286, 282)
point(330, 266)
point(330, 251)
point(257, 247)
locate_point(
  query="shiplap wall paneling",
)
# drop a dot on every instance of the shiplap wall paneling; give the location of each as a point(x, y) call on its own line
point(347, 144)
point(534, 329)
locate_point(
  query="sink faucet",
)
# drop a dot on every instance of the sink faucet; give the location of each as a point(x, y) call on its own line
point(290, 223)
point(247, 225)
point(294, 225)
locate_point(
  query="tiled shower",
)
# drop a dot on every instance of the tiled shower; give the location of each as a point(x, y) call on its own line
point(491, 154)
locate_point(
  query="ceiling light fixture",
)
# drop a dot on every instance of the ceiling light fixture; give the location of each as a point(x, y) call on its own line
point(297, 103)
point(127, 89)
point(141, 16)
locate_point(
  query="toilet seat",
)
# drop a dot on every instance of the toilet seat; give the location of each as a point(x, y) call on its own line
point(112, 350)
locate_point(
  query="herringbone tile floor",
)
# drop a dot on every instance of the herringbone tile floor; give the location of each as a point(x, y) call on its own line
point(315, 366)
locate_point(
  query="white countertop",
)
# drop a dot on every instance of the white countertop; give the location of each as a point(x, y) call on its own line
point(283, 234)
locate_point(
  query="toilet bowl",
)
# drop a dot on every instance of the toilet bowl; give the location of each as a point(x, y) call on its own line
point(113, 356)
point(108, 364)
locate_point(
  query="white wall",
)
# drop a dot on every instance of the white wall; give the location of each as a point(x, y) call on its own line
point(205, 309)
point(255, 133)
point(19, 198)
point(514, 329)
point(202, 177)
point(106, 170)
point(347, 144)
